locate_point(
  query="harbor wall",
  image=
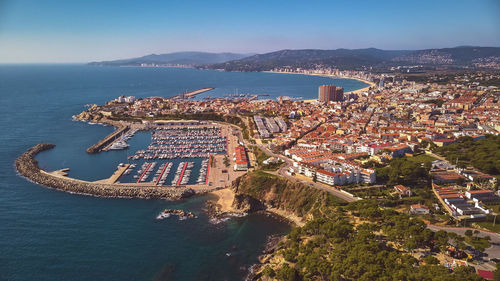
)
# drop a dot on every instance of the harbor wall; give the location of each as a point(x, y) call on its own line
point(96, 148)
point(28, 167)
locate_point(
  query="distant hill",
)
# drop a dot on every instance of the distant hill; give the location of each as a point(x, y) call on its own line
point(464, 55)
point(179, 58)
point(358, 58)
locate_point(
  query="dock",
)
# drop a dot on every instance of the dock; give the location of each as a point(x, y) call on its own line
point(182, 173)
point(161, 174)
point(116, 175)
point(192, 94)
point(143, 173)
point(96, 148)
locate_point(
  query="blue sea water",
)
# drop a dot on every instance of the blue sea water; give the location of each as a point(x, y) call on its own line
point(51, 235)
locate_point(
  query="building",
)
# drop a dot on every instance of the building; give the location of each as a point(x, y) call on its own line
point(482, 196)
point(240, 158)
point(402, 190)
point(418, 209)
point(329, 93)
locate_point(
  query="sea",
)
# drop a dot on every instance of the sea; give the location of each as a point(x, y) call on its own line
point(50, 235)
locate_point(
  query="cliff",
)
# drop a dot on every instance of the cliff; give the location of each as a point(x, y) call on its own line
point(255, 191)
point(28, 167)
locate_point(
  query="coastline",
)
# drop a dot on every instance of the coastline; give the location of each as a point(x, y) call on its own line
point(224, 206)
point(370, 83)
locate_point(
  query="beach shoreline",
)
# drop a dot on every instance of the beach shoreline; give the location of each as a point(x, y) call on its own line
point(370, 83)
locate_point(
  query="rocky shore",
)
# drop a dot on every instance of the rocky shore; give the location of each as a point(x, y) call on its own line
point(28, 167)
point(176, 212)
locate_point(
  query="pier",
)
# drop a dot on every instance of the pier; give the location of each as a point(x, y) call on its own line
point(98, 147)
point(115, 176)
point(192, 94)
point(182, 173)
point(208, 169)
point(143, 173)
point(161, 174)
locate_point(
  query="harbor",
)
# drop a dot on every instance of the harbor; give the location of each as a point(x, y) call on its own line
point(184, 142)
point(98, 147)
point(178, 155)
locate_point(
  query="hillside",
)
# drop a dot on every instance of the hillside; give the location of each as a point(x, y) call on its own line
point(179, 58)
point(259, 190)
point(359, 58)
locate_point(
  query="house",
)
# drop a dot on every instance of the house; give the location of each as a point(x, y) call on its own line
point(402, 190)
point(240, 158)
point(418, 209)
point(482, 196)
point(446, 177)
point(443, 142)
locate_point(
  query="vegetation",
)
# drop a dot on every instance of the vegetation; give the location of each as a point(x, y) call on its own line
point(349, 59)
point(226, 161)
point(261, 156)
point(482, 154)
point(330, 247)
point(406, 170)
point(283, 194)
point(438, 102)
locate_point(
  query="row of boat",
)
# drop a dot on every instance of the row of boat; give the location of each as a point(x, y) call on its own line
point(144, 172)
point(202, 178)
point(122, 142)
point(183, 173)
point(162, 173)
point(129, 169)
point(183, 143)
point(187, 132)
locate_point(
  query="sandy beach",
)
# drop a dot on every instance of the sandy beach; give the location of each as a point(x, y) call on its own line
point(370, 84)
point(225, 199)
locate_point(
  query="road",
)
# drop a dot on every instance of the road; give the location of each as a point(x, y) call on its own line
point(289, 163)
point(492, 252)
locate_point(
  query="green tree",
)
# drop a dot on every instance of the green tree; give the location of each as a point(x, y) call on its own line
point(431, 260)
point(287, 273)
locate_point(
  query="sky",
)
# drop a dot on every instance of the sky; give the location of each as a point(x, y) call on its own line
point(35, 31)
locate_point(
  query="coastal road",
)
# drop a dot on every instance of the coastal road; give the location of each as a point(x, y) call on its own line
point(289, 163)
point(492, 252)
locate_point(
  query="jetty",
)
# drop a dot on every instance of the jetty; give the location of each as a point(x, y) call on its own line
point(98, 147)
point(192, 94)
point(28, 167)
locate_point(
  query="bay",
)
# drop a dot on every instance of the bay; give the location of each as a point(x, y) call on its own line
point(51, 235)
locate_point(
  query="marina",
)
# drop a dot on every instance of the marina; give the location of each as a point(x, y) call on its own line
point(184, 142)
point(121, 143)
point(178, 154)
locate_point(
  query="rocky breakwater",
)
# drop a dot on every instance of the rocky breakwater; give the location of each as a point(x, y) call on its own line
point(28, 167)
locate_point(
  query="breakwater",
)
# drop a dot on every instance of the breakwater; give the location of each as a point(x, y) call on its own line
point(96, 148)
point(28, 167)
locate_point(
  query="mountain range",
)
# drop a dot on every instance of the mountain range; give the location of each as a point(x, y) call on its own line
point(362, 58)
point(463, 56)
point(178, 58)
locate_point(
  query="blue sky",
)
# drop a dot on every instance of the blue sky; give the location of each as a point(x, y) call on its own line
point(88, 30)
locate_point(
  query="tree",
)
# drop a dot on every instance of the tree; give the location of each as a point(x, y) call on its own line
point(431, 260)
point(496, 273)
point(268, 271)
point(468, 233)
point(286, 273)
